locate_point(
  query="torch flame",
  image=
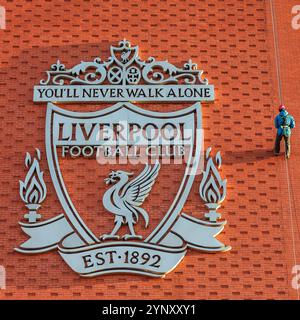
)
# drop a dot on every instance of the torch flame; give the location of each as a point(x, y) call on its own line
point(33, 190)
point(212, 183)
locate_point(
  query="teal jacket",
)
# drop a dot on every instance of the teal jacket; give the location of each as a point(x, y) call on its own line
point(279, 120)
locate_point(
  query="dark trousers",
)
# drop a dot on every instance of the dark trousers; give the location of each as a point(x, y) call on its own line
point(287, 141)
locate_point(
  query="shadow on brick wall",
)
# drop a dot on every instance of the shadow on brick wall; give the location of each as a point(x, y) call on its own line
point(231, 157)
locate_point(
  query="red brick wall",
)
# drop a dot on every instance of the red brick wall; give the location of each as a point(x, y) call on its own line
point(233, 42)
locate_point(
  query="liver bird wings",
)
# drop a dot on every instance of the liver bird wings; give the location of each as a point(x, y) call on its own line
point(137, 190)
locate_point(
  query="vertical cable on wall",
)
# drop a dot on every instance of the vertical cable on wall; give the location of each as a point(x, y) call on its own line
point(278, 72)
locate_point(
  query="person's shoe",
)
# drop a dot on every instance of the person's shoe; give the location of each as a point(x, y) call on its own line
point(287, 156)
point(276, 154)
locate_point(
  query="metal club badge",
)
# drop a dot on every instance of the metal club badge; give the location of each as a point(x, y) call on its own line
point(135, 221)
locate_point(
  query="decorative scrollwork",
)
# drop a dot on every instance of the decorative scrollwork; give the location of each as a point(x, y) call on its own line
point(131, 70)
point(84, 73)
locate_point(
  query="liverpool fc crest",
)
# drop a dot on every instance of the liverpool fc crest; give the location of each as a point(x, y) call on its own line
point(123, 173)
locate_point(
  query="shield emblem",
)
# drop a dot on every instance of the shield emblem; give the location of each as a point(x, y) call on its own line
point(124, 55)
point(79, 164)
point(123, 173)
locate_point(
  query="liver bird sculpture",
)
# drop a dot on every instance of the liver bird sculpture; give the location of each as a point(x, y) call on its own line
point(125, 56)
point(124, 199)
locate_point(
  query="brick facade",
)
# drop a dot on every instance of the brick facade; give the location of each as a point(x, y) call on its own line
point(233, 42)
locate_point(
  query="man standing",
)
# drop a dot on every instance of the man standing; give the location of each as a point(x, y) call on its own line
point(284, 122)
